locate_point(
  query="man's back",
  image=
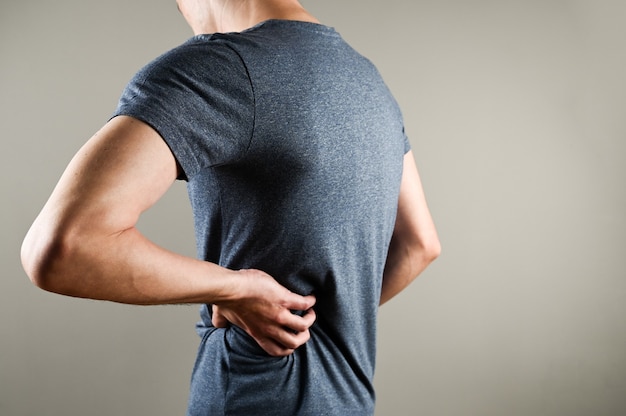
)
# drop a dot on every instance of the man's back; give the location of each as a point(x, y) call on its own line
point(293, 149)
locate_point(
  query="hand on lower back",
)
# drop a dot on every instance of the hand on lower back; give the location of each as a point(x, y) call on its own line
point(264, 311)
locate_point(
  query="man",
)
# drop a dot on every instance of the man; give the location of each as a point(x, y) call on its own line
point(308, 208)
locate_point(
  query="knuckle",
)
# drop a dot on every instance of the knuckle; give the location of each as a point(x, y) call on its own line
point(297, 340)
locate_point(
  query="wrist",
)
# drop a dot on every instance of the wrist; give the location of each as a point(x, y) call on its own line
point(234, 286)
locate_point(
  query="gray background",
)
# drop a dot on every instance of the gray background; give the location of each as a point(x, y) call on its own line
point(516, 110)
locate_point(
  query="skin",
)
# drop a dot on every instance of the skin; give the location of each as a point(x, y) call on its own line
point(85, 243)
point(414, 243)
point(210, 16)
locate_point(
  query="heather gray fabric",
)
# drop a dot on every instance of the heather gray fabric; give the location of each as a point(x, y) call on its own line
point(292, 147)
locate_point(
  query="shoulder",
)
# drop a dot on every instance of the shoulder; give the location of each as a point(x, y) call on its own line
point(202, 53)
point(203, 68)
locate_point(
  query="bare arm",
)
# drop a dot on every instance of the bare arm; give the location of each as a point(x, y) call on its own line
point(84, 242)
point(414, 244)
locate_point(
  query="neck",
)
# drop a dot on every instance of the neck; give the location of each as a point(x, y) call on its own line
point(237, 15)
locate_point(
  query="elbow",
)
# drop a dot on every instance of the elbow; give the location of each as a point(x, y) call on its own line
point(43, 256)
point(424, 252)
point(418, 250)
point(36, 261)
point(431, 249)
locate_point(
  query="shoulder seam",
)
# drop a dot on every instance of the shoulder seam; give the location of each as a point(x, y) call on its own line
point(254, 107)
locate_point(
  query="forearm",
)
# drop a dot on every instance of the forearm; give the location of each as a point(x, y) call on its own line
point(126, 267)
point(122, 267)
point(402, 267)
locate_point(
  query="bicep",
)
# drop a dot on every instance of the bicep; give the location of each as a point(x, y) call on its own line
point(119, 173)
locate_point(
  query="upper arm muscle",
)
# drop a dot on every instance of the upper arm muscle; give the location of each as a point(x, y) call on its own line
point(119, 173)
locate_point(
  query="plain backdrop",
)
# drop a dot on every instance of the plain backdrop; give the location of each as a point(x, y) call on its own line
point(517, 115)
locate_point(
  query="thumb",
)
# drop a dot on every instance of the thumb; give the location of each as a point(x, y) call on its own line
point(218, 320)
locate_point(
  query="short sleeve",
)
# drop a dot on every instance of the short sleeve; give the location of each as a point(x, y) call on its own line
point(407, 143)
point(199, 98)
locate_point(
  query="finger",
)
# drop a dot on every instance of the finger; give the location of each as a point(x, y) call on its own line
point(309, 317)
point(304, 321)
point(290, 340)
point(297, 323)
point(309, 302)
point(297, 302)
point(276, 350)
point(279, 340)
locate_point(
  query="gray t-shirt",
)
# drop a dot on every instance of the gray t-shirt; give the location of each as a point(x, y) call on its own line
point(292, 147)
